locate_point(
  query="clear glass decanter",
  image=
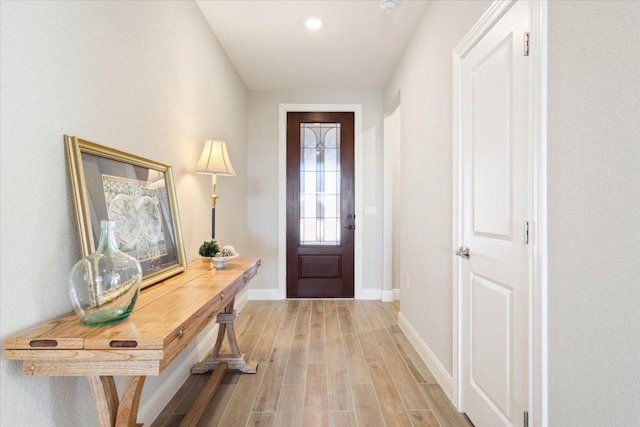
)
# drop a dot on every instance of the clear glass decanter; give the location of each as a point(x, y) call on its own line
point(104, 286)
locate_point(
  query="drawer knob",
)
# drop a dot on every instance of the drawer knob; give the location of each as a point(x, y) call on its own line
point(222, 295)
point(180, 333)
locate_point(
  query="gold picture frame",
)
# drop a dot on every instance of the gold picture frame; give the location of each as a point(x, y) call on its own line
point(136, 192)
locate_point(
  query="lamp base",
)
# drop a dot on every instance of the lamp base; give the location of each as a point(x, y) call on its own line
point(213, 223)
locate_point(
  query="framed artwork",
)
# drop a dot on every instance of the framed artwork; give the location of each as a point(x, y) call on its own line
point(139, 194)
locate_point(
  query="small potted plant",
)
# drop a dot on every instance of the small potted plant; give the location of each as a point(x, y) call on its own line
point(209, 249)
point(218, 255)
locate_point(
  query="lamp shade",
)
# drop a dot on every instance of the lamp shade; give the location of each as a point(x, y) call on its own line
point(215, 159)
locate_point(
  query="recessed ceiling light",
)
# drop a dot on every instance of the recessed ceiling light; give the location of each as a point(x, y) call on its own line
point(313, 24)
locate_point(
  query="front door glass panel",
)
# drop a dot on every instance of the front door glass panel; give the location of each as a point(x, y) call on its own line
point(320, 184)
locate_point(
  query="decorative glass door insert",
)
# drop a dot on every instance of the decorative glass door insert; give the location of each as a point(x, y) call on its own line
point(320, 184)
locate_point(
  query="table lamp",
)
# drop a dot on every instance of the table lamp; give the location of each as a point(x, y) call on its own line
point(214, 160)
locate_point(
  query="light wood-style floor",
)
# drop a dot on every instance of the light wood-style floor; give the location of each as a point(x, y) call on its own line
point(322, 363)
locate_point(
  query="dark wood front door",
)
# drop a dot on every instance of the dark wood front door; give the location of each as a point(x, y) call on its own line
point(320, 205)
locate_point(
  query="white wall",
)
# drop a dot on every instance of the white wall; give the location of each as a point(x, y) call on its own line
point(594, 201)
point(423, 80)
point(145, 77)
point(262, 160)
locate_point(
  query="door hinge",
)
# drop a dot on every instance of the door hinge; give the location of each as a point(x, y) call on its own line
point(526, 233)
point(526, 419)
point(526, 44)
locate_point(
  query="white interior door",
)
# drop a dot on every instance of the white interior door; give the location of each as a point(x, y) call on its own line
point(495, 140)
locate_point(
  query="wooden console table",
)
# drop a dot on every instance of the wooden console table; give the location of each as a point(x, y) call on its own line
point(167, 316)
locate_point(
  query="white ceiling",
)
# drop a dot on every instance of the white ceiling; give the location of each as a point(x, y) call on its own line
point(267, 41)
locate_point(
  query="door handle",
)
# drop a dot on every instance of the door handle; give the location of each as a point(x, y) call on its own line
point(351, 227)
point(463, 252)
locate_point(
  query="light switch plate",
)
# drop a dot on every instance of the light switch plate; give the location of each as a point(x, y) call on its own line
point(370, 210)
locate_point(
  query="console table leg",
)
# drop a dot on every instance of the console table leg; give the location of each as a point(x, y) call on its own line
point(233, 343)
point(222, 327)
point(235, 360)
point(128, 409)
point(114, 412)
point(105, 395)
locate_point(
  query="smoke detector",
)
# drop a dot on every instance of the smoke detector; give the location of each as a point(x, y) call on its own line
point(388, 6)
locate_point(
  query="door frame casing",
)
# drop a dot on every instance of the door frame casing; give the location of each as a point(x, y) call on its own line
point(537, 207)
point(356, 109)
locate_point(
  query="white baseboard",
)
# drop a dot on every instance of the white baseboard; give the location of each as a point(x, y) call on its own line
point(264, 294)
point(158, 400)
point(369, 294)
point(428, 357)
point(387, 296)
point(396, 293)
point(274, 294)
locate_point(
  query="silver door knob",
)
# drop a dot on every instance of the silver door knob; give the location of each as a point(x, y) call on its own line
point(463, 252)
